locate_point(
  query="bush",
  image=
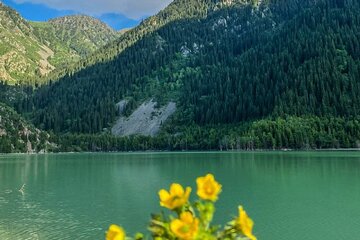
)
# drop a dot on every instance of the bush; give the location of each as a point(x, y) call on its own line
point(191, 221)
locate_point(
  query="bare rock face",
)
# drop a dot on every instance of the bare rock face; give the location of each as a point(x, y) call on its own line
point(121, 106)
point(146, 120)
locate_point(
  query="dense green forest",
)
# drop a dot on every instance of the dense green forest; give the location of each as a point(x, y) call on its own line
point(238, 64)
point(177, 10)
point(277, 134)
point(17, 135)
point(249, 75)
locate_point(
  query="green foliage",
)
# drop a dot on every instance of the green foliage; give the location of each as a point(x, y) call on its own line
point(12, 95)
point(301, 133)
point(306, 133)
point(308, 65)
point(30, 50)
point(282, 74)
point(226, 66)
point(16, 135)
point(63, 54)
point(177, 10)
point(73, 37)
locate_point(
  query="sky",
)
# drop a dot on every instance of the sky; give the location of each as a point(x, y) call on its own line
point(118, 14)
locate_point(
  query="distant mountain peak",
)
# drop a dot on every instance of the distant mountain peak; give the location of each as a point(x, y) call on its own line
point(83, 33)
point(29, 50)
point(84, 21)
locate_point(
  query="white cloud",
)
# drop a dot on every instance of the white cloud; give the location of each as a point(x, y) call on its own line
point(131, 8)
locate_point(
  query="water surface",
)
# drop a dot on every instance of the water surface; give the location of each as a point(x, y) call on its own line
point(290, 196)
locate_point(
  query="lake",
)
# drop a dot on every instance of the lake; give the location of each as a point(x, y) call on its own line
point(289, 195)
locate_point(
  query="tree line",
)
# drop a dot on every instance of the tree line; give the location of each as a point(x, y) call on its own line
point(296, 133)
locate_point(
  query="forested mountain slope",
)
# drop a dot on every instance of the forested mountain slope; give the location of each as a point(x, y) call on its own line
point(177, 10)
point(30, 50)
point(78, 35)
point(17, 135)
point(239, 63)
point(21, 53)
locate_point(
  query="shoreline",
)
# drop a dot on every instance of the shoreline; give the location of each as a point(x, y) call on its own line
point(198, 151)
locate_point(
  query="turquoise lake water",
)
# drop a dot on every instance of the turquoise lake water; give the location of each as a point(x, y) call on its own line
point(289, 195)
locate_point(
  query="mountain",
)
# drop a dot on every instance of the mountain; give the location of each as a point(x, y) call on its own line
point(79, 35)
point(17, 135)
point(29, 50)
point(177, 10)
point(21, 54)
point(254, 70)
point(133, 55)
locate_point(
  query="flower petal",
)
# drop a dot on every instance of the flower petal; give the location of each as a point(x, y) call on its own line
point(164, 195)
point(115, 232)
point(176, 189)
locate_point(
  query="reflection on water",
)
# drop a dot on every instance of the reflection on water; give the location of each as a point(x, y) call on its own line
point(76, 196)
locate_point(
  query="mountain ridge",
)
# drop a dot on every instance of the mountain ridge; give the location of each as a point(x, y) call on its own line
point(182, 56)
point(176, 10)
point(31, 50)
point(92, 30)
point(19, 46)
point(241, 75)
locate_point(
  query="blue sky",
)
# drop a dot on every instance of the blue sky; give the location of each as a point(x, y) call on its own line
point(118, 14)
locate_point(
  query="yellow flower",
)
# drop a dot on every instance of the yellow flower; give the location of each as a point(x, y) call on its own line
point(115, 232)
point(177, 197)
point(186, 227)
point(208, 188)
point(245, 224)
